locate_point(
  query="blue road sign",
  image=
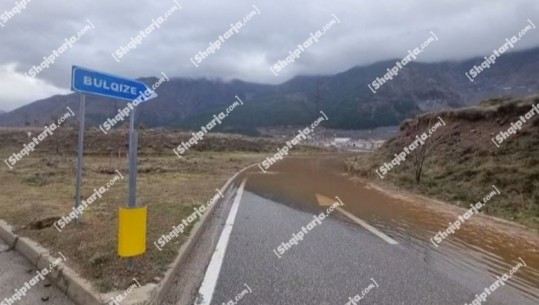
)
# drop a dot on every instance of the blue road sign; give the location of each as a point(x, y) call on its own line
point(93, 82)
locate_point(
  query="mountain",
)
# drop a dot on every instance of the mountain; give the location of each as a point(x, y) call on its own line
point(345, 97)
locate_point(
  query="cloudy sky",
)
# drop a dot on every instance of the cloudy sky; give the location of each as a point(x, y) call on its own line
point(368, 31)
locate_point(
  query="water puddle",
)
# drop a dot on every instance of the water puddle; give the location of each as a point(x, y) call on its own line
point(478, 252)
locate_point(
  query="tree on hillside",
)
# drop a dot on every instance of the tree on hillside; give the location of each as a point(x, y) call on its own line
point(422, 153)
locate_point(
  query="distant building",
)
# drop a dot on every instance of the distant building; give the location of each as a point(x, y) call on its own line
point(378, 143)
point(340, 142)
point(346, 143)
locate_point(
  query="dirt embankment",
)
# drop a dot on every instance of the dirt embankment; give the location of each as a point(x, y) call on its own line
point(464, 158)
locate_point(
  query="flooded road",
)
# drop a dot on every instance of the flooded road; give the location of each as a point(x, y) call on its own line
point(479, 252)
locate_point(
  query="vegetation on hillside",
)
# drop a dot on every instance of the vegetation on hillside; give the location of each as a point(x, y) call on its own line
point(464, 162)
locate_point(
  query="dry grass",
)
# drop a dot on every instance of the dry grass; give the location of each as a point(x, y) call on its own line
point(41, 187)
point(465, 163)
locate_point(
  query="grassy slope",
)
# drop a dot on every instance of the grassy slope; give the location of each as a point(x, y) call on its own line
point(465, 163)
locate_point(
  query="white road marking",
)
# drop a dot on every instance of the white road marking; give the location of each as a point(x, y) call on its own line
point(205, 293)
point(367, 226)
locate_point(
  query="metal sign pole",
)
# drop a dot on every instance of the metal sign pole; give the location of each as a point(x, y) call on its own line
point(133, 145)
point(80, 150)
point(132, 203)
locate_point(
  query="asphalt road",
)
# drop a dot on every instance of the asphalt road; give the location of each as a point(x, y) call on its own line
point(15, 271)
point(335, 261)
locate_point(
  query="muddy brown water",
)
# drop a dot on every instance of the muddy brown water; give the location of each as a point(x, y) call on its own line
point(481, 250)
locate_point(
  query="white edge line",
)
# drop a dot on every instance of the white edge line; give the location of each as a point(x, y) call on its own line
point(205, 293)
point(367, 226)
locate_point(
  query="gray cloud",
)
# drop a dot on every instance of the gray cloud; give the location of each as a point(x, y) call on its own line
point(368, 31)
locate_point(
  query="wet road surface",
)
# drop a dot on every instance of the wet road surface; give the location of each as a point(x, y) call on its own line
point(339, 258)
